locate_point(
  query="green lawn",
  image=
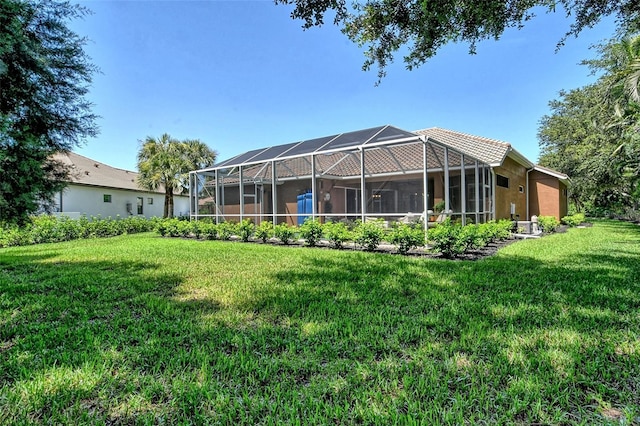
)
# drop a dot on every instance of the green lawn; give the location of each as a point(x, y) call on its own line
point(143, 329)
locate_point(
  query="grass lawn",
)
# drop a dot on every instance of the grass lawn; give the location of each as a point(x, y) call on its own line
point(144, 329)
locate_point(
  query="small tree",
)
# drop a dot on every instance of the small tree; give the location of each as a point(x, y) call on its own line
point(166, 162)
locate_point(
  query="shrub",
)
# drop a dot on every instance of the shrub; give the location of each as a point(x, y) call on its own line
point(493, 231)
point(12, 235)
point(162, 228)
point(471, 238)
point(284, 232)
point(264, 231)
point(406, 236)
point(311, 231)
point(209, 230)
point(246, 229)
point(337, 233)
point(573, 220)
point(196, 229)
point(369, 234)
point(171, 227)
point(548, 224)
point(184, 228)
point(226, 230)
point(446, 239)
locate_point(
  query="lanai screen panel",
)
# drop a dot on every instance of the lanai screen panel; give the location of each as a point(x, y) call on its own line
point(455, 182)
point(394, 180)
point(205, 195)
point(338, 185)
point(294, 192)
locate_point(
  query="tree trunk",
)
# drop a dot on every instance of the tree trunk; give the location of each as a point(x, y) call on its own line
point(168, 203)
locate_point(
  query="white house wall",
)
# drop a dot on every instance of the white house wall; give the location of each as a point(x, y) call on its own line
point(89, 200)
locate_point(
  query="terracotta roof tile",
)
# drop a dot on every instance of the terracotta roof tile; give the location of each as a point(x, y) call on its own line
point(487, 150)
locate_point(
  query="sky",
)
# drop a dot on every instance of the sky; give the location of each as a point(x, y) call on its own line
point(241, 75)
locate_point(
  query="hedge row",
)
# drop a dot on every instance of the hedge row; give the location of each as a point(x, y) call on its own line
point(449, 238)
point(51, 229)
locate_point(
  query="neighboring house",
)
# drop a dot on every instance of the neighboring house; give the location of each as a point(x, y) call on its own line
point(401, 174)
point(97, 189)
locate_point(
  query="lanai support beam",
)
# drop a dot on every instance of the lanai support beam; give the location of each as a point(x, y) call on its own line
point(463, 189)
point(241, 178)
point(425, 186)
point(314, 188)
point(363, 188)
point(446, 181)
point(477, 191)
point(274, 197)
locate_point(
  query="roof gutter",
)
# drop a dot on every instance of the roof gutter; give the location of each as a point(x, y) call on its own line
point(519, 158)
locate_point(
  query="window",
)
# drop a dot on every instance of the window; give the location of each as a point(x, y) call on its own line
point(140, 203)
point(106, 198)
point(521, 189)
point(149, 200)
point(502, 181)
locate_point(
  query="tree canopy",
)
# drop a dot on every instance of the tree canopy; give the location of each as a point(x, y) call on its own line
point(593, 132)
point(165, 162)
point(424, 26)
point(44, 77)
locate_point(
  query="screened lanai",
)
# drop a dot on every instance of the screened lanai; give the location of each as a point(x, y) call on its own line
point(383, 173)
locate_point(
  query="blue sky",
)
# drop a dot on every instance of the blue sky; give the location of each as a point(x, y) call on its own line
point(240, 75)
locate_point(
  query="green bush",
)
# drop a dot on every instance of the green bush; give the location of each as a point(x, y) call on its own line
point(471, 238)
point(549, 224)
point(311, 231)
point(264, 231)
point(171, 227)
point(245, 229)
point(209, 230)
point(573, 220)
point(406, 236)
point(446, 238)
point(492, 231)
point(196, 229)
point(284, 232)
point(226, 230)
point(369, 234)
point(12, 235)
point(50, 229)
point(337, 233)
point(184, 228)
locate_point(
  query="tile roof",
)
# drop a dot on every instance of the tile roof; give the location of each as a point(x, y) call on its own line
point(395, 158)
point(487, 150)
point(85, 171)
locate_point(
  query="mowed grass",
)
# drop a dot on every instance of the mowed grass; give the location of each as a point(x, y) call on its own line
point(144, 329)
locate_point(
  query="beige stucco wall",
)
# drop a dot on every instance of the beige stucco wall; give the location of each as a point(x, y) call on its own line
point(517, 175)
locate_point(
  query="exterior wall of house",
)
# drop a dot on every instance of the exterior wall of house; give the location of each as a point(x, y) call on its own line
point(77, 200)
point(548, 195)
point(515, 193)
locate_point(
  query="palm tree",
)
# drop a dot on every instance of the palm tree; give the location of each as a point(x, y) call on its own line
point(166, 162)
point(622, 61)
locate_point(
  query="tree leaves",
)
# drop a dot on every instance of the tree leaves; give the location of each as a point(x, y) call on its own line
point(44, 77)
point(423, 26)
point(165, 162)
